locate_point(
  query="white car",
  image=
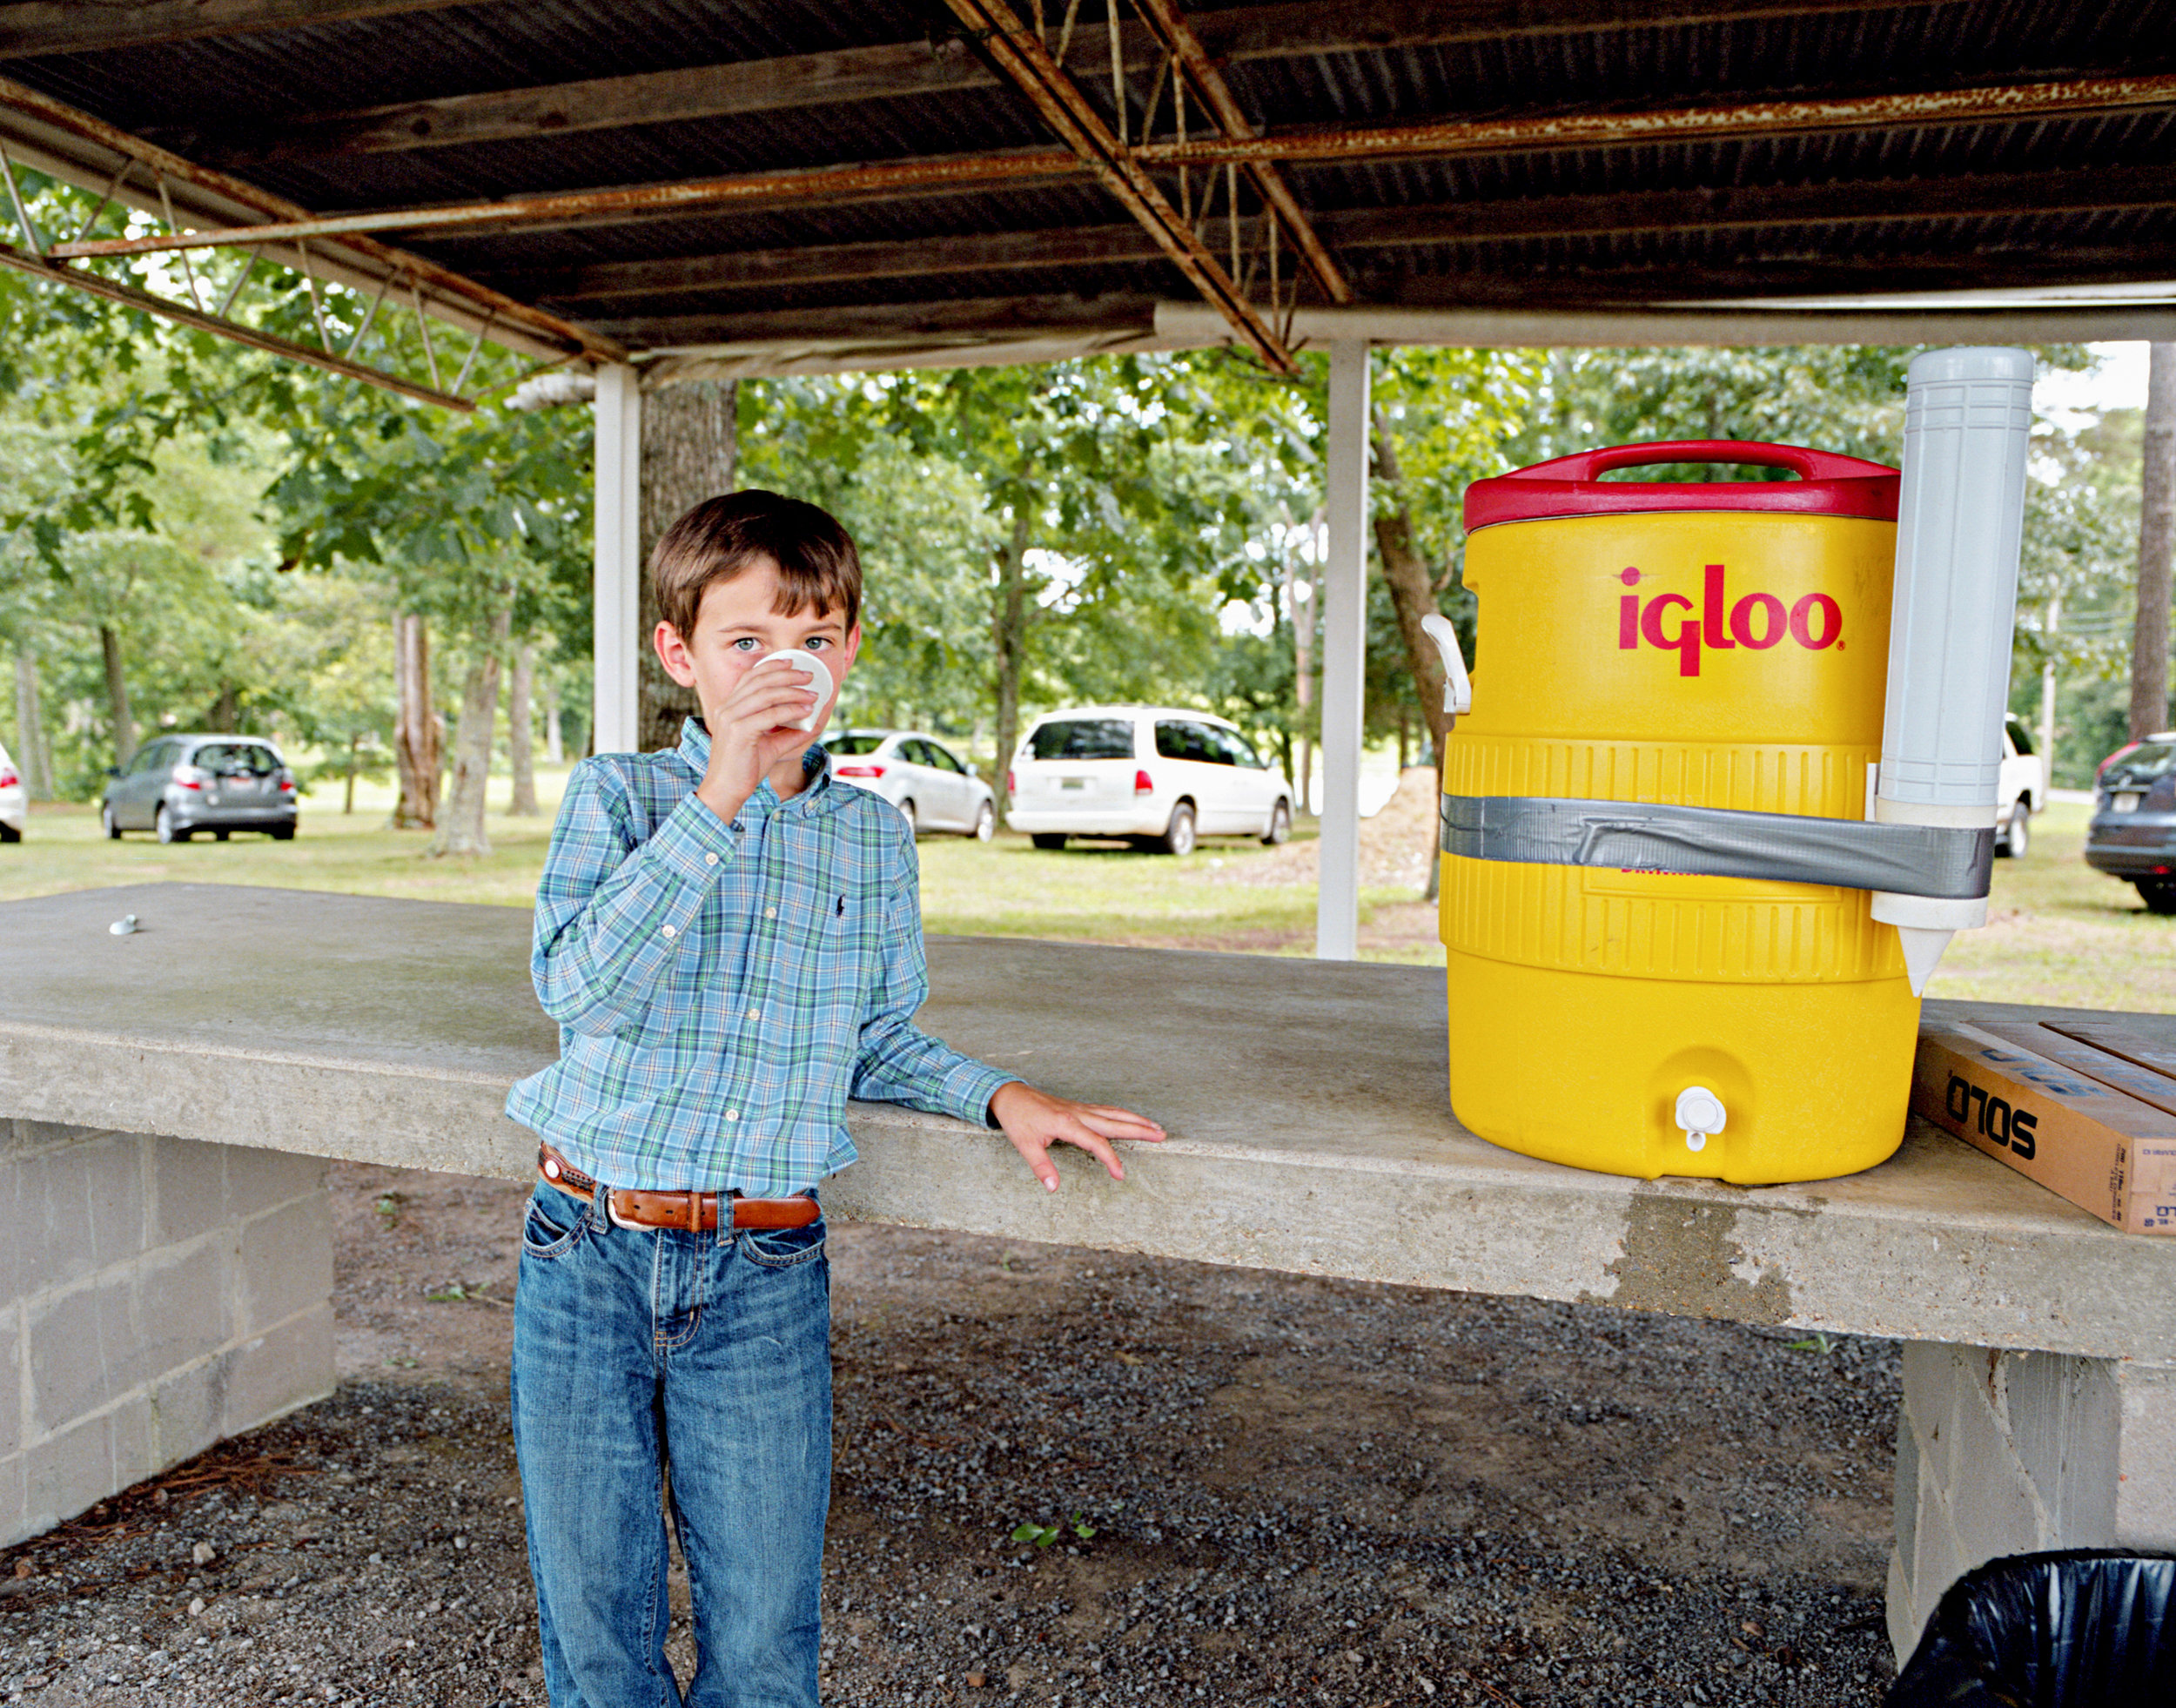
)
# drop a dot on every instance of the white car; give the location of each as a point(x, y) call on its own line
point(15, 800)
point(2023, 788)
point(1154, 775)
point(917, 774)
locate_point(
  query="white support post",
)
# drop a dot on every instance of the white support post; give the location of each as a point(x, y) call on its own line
point(1344, 654)
point(618, 616)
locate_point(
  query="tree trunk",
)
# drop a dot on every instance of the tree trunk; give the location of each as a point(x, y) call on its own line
point(1009, 629)
point(688, 447)
point(354, 758)
point(1300, 595)
point(118, 696)
point(2157, 536)
point(554, 737)
point(225, 715)
point(520, 696)
point(462, 828)
point(35, 759)
point(1413, 594)
point(415, 730)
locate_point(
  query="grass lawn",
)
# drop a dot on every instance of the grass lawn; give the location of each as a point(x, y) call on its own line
point(2059, 932)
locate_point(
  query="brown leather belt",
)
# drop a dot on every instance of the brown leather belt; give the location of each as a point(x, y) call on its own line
point(688, 1211)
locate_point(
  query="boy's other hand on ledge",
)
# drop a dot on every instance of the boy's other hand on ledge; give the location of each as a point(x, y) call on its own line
point(1035, 1121)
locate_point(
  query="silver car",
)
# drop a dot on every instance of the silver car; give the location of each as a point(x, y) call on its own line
point(178, 785)
point(929, 784)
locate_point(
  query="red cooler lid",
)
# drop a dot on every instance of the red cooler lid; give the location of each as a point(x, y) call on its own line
point(1828, 485)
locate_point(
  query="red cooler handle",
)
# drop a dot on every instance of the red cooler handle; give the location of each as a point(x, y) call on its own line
point(1807, 465)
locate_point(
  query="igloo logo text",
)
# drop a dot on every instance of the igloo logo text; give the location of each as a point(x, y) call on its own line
point(1670, 623)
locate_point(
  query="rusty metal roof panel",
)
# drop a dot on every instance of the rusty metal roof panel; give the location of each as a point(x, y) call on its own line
point(237, 90)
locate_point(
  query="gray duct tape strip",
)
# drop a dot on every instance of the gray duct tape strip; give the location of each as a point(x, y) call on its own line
point(1715, 842)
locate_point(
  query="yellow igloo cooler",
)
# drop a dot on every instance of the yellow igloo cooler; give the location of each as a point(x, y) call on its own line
point(1695, 645)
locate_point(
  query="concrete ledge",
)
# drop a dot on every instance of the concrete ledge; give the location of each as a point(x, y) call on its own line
point(1311, 1131)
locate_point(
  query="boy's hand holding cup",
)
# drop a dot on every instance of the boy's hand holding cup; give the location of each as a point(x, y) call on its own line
point(766, 716)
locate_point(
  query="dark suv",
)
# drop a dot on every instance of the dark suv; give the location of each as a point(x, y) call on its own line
point(2132, 835)
point(178, 785)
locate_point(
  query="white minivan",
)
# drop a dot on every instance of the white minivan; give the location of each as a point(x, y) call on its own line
point(1157, 775)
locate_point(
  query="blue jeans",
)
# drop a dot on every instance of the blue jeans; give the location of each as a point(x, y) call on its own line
point(710, 1352)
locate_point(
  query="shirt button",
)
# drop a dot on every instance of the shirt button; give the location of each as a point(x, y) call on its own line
point(755, 1013)
point(672, 931)
point(733, 1114)
point(709, 859)
point(770, 913)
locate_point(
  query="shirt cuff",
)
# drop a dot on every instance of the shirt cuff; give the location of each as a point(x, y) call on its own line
point(692, 843)
point(979, 1085)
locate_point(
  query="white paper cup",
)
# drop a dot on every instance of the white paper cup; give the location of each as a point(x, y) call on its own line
point(819, 679)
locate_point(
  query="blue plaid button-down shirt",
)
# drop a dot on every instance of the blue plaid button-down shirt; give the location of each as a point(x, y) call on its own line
point(721, 990)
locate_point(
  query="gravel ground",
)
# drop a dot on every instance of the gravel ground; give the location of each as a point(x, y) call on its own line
point(1251, 1488)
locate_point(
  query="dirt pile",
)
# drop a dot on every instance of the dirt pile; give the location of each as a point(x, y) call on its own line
point(1397, 845)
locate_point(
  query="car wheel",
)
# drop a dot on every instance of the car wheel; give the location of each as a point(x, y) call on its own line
point(906, 811)
point(9, 833)
point(1047, 840)
point(2017, 835)
point(284, 833)
point(220, 836)
point(106, 818)
point(986, 822)
point(2158, 893)
point(1280, 824)
point(1179, 836)
point(164, 825)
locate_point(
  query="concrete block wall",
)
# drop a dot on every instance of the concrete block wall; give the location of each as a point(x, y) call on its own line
point(2017, 1452)
point(155, 1294)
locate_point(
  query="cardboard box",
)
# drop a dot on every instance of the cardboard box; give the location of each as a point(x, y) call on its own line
point(2075, 1132)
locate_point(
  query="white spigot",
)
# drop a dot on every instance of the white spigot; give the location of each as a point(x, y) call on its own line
point(1700, 1114)
point(1457, 687)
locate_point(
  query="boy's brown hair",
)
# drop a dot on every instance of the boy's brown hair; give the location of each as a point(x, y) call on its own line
point(817, 564)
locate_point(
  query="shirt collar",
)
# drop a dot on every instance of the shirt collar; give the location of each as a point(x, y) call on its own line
point(816, 765)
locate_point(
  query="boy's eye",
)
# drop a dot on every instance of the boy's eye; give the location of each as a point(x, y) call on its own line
point(746, 643)
point(817, 642)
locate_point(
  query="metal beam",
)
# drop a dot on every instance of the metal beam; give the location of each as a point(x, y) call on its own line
point(1738, 206)
point(197, 321)
point(1692, 209)
point(880, 180)
point(1441, 138)
point(1344, 654)
point(917, 257)
point(875, 182)
point(1201, 71)
point(28, 31)
point(1020, 54)
point(968, 317)
point(894, 70)
point(55, 124)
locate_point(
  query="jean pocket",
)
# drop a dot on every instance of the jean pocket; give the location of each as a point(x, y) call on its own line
point(782, 1248)
point(554, 1224)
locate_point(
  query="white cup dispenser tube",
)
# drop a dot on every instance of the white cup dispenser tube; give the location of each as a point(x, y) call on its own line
point(1968, 427)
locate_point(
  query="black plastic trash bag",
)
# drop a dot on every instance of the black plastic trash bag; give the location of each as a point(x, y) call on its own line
point(2083, 1629)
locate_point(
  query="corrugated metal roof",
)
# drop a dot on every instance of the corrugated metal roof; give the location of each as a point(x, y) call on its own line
point(227, 94)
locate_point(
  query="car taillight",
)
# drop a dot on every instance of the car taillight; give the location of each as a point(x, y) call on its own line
point(2130, 748)
point(188, 776)
point(8, 777)
point(1144, 783)
point(1011, 788)
point(861, 770)
point(286, 785)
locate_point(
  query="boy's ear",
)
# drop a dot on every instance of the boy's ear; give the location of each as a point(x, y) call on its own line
point(672, 652)
point(853, 648)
